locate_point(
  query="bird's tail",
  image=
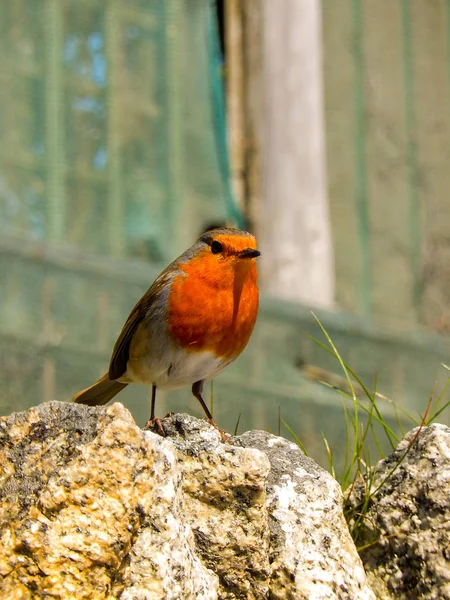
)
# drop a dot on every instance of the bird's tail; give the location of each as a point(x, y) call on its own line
point(99, 392)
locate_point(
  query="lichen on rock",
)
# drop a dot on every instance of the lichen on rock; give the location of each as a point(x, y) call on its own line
point(94, 507)
point(407, 527)
point(312, 555)
point(80, 487)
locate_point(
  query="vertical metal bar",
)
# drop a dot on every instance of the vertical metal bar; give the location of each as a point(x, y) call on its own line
point(447, 14)
point(361, 191)
point(47, 332)
point(178, 217)
point(55, 121)
point(219, 124)
point(48, 379)
point(103, 302)
point(116, 213)
point(411, 157)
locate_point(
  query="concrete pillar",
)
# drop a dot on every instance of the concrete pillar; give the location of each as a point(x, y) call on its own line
point(293, 222)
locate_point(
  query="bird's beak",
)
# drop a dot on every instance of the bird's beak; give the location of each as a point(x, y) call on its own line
point(249, 253)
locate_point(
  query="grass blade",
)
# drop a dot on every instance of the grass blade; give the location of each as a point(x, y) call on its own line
point(237, 424)
point(296, 438)
point(329, 455)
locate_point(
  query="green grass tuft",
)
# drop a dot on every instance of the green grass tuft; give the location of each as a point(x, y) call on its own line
point(366, 433)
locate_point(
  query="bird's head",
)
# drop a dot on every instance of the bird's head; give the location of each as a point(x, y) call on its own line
point(222, 257)
point(229, 245)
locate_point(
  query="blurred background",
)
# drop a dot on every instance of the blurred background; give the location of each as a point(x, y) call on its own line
point(128, 127)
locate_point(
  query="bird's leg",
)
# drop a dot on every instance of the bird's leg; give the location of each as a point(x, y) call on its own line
point(154, 422)
point(152, 410)
point(197, 390)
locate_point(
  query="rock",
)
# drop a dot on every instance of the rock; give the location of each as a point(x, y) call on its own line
point(224, 488)
point(90, 508)
point(312, 555)
point(93, 507)
point(407, 526)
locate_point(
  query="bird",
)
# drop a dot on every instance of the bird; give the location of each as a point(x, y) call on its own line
point(194, 320)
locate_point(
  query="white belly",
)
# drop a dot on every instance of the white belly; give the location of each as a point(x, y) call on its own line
point(174, 368)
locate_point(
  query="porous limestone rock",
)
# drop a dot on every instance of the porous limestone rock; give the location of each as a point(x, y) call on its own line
point(225, 506)
point(93, 507)
point(407, 527)
point(82, 490)
point(312, 555)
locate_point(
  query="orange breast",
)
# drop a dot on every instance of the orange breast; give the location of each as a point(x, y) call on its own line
point(213, 308)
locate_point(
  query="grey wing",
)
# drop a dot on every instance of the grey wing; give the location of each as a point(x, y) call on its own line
point(142, 310)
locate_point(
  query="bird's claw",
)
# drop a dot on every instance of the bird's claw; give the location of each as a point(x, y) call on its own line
point(156, 425)
point(224, 436)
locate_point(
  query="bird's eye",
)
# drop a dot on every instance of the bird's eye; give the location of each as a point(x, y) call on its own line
point(216, 247)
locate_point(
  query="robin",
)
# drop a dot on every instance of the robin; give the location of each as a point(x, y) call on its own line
point(194, 321)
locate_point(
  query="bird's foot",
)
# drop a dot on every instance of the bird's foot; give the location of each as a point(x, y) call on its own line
point(224, 436)
point(157, 426)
